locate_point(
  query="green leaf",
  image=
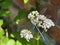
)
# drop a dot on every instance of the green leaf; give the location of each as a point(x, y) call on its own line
point(2, 43)
point(28, 44)
point(11, 42)
point(5, 39)
point(22, 14)
point(1, 22)
point(17, 21)
point(26, 1)
point(18, 43)
point(1, 32)
point(12, 35)
point(6, 3)
point(5, 12)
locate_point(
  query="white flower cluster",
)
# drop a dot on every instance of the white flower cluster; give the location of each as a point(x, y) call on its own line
point(26, 34)
point(40, 20)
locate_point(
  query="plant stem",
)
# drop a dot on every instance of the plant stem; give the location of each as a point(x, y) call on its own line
point(40, 33)
point(37, 42)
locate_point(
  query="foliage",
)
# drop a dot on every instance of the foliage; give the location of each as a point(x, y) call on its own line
point(4, 7)
point(26, 1)
point(6, 41)
point(22, 14)
point(4, 12)
point(13, 38)
point(21, 41)
point(1, 22)
point(6, 3)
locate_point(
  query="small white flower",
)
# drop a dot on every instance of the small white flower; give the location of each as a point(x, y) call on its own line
point(30, 16)
point(42, 17)
point(49, 22)
point(39, 24)
point(26, 34)
point(45, 25)
point(33, 14)
point(34, 21)
point(45, 29)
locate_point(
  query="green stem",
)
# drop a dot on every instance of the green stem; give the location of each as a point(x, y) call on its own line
point(37, 42)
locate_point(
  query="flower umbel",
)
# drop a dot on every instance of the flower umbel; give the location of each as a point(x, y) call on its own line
point(26, 34)
point(40, 20)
